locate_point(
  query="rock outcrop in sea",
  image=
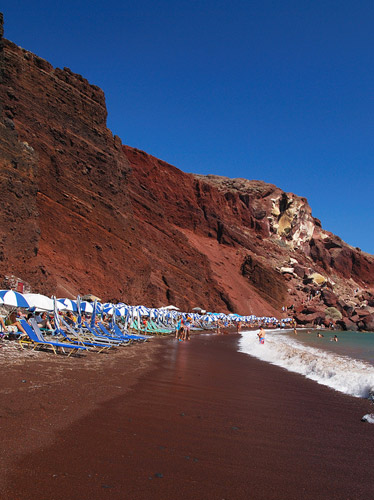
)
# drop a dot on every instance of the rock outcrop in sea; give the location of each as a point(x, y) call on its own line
point(81, 212)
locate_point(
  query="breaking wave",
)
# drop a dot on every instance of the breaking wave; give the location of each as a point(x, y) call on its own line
point(342, 373)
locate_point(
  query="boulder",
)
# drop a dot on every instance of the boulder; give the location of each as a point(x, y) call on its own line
point(310, 319)
point(346, 324)
point(287, 270)
point(299, 271)
point(333, 313)
point(362, 312)
point(368, 322)
point(329, 298)
point(349, 310)
point(310, 310)
point(317, 278)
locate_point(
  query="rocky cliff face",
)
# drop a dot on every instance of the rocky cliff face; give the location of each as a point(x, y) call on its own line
point(83, 213)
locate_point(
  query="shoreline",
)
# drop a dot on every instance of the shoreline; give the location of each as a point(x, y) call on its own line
point(179, 420)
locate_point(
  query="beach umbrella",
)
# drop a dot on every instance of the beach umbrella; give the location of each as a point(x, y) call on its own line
point(87, 307)
point(112, 310)
point(41, 302)
point(142, 310)
point(69, 305)
point(107, 306)
point(12, 298)
point(123, 311)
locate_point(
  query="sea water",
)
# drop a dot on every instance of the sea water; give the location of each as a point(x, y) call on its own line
point(346, 366)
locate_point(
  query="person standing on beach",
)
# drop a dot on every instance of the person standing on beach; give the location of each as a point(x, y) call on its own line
point(178, 328)
point(261, 335)
point(187, 327)
point(238, 326)
point(294, 326)
point(181, 330)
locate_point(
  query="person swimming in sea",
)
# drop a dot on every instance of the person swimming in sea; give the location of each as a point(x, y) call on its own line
point(334, 338)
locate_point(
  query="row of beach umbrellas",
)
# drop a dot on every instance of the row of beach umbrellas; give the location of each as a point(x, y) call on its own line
point(167, 314)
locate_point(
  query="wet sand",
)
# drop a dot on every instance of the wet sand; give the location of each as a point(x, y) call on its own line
point(173, 420)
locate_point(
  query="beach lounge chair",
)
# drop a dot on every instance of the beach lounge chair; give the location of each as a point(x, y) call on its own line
point(75, 340)
point(152, 326)
point(106, 333)
point(99, 335)
point(86, 334)
point(116, 329)
point(37, 340)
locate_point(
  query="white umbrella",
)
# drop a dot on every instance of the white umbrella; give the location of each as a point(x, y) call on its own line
point(170, 308)
point(41, 302)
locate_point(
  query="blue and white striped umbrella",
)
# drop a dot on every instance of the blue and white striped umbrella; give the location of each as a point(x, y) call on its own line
point(87, 307)
point(142, 310)
point(12, 298)
point(111, 310)
point(68, 304)
point(124, 311)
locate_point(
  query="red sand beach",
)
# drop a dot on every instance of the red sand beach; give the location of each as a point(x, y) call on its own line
point(172, 420)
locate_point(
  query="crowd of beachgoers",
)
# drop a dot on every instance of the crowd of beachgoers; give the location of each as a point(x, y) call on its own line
point(69, 326)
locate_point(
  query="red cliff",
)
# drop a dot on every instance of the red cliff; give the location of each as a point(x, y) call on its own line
point(81, 212)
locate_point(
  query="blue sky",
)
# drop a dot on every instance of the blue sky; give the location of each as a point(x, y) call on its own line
point(281, 91)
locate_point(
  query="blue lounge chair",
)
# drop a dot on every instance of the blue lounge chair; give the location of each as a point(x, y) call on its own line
point(37, 340)
point(132, 336)
point(122, 337)
point(75, 340)
point(99, 335)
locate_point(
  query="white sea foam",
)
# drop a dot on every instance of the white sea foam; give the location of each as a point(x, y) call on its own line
point(341, 373)
point(368, 418)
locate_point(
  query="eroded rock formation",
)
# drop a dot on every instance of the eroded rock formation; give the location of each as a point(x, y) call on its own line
point(81, 212)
